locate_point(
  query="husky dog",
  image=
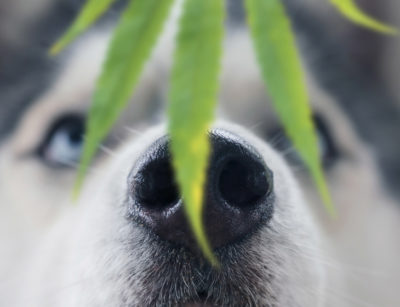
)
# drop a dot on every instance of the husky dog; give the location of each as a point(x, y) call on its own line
point(127, 243)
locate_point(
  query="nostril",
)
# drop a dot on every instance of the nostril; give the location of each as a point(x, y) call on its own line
point(238, 193)
point(155, 186)
point(243, 182)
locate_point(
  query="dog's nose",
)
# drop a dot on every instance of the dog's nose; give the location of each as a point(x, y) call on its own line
point(238, 192)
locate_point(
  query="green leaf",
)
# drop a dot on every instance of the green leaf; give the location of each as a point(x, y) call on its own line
point(129, 49)
point(282, 72)
point(349, 9)
point(192, 98)
point(92, 10)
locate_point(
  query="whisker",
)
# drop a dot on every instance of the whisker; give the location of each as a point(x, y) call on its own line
point(276, 139)
point(104, 148)
point(256, 125)
point(288, 150)
point(75, 165)
point(133, 131)
point(350, 298)
point(107, 150)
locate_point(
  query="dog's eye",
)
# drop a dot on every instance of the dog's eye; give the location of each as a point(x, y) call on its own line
point(327, 148)
point(63, 143)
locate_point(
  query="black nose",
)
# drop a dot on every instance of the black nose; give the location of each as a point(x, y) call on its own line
point(238, 197)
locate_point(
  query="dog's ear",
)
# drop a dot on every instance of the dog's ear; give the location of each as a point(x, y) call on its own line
point(35, 21)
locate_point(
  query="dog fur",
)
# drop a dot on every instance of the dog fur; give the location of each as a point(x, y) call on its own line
point(57, 253)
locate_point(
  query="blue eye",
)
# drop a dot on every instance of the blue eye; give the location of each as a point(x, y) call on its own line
point(63, 144)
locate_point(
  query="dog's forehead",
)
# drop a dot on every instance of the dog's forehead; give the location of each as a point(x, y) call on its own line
point(70, 83)
point(243, 96)
point(77, 69)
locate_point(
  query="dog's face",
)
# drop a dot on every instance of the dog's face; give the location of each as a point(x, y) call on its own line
point(126, 241)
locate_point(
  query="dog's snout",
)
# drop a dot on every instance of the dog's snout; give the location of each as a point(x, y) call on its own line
point(238, 192)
